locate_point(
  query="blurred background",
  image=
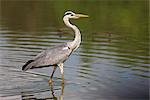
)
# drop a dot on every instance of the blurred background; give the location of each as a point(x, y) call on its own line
point(111, 63)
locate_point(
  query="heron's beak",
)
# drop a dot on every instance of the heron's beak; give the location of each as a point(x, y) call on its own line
point(81, 15)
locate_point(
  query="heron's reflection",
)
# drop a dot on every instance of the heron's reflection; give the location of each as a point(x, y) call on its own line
point(49, 93)
point(60, 97)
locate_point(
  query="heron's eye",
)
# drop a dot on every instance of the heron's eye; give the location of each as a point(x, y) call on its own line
point(71, 14)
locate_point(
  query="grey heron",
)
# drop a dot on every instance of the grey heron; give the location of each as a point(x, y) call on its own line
point(57, 55)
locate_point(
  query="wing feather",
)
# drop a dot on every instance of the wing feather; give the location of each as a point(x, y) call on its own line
point(52, 56)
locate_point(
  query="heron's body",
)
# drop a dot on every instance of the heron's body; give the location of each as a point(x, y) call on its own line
point(57, 55)
point(49, 57)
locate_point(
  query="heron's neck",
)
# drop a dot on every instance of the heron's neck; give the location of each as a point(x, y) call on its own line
point(77, 40)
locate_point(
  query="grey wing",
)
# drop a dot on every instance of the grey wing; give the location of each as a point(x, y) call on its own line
point(52, 56)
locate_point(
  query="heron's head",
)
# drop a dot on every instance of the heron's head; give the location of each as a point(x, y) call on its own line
point(72, 15)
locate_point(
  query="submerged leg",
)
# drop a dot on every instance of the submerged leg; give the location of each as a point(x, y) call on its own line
point(62, 71)
point(51, 77)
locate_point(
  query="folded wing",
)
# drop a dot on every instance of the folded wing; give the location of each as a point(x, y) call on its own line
point(52, 56)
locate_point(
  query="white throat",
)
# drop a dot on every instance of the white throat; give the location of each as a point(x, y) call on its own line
point(77, 40)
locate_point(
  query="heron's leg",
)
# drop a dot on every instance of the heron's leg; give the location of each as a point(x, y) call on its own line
point(62, 71)
point(51, 77)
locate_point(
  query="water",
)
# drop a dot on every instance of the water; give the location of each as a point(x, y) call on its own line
point(111, 63)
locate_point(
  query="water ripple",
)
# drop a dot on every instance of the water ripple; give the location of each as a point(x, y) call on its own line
point(107, 62)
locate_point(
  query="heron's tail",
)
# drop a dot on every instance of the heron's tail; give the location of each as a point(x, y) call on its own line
point(27, 65)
